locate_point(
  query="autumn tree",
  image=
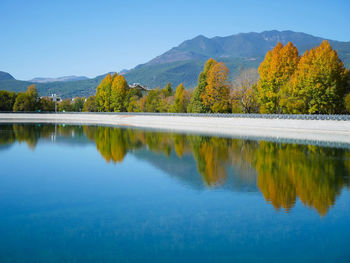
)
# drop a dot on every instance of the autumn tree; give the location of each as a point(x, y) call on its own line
point(216, 95)
point(103, 94)
point(132, 100)
point(281, 170)
point(90, 104)
point(156, 100)
point(27, 101)
point(318, 84)
point(275, 71)
point(118, 94)
point(166, 99)
point(244, 92)
point(46, 104)
point(196, 104)
point(181, 100)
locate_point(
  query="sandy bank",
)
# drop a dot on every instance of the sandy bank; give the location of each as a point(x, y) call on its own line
point(314, 130)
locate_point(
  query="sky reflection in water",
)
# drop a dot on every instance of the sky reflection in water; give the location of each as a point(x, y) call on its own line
point(161, 197)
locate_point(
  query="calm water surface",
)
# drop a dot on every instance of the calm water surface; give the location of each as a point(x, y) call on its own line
point(107, 194)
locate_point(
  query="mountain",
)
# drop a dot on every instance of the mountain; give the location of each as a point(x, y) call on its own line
point(5, 76)
point(66, 89)
point(184, 62)
point(65, 78)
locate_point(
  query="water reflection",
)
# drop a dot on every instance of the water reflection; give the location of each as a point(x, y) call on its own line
point(282, 172)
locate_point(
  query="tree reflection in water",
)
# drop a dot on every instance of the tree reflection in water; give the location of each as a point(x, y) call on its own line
point(315, 175)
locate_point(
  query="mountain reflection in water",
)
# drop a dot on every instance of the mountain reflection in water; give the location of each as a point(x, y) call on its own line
point(282, 172)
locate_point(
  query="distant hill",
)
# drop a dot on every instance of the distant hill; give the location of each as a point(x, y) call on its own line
point(65, 78)
point(5, 76)
point(184, 62)
point(66, 89)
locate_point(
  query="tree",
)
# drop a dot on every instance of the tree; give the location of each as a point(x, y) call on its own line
point(103, 94)
point(181, 100)
point(165, 103)
point(134, 104)
point(166, 99)
point(347, 103)
point(33, 97)
point(196, 104)
point(318, 84)
point(141, 104)
point(21, 103)
point(168, 90)
point(46, 104)
point(28, 101)
point(152, 100)
point(244, 92)
point(7, 100)
point(90, 104)
point(65, 105)
point(216, 95)
point(118, 94)
point(131, 100)
point(78, 104)
point(275, 72)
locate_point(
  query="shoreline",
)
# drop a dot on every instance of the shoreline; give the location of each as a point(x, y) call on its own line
point(288, 129)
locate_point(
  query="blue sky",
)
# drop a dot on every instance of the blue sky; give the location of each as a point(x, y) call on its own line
point(82, 37)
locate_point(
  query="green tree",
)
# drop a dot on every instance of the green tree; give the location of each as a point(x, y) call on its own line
point(21, 103)
point(90, 104)
point(153, 100)
point(7, 100)
point(168, 90)
point(132, 100)
point(65, 105)
point(46, 104)
point(28, 101)
point(33, 97)
point(196, 104)
point(78, 104)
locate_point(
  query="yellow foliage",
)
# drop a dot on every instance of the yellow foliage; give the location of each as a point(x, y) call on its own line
point(275, 72)
point(217, 93)
point(319, 83)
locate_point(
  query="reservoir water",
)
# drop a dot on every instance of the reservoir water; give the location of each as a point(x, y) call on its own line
point(111, 194)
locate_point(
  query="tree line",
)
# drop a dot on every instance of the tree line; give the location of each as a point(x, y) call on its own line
point(30, 101)
point(313, 83)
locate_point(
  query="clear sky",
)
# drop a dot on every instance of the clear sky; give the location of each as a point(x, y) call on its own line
point(82, 37)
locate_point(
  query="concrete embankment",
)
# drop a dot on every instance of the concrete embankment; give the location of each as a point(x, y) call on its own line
point(292, 129)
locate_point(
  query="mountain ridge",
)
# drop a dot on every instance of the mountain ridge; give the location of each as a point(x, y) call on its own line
point(238, 51)
point(183, 63)
point(5, 76)
point(63, 78)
